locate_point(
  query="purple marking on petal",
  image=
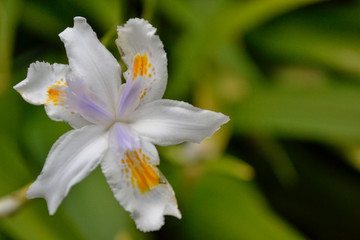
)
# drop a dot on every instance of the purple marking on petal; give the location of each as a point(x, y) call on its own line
point(80, 100)
point(123, 139)
point(130, 97)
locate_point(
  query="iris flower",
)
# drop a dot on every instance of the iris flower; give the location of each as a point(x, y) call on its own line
point(115, 124)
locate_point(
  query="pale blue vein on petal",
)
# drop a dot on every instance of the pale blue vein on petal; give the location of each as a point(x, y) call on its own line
point(80, 100)
point(123, 138)
point(130, 97)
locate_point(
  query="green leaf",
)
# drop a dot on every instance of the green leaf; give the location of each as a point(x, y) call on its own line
point(223, 23)
point(9, 16)
point(94, 210)
point(226, 208)
point(331, 113)
point(295, 42)
point(34, 222)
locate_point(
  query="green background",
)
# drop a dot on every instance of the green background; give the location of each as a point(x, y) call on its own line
point(286, 166)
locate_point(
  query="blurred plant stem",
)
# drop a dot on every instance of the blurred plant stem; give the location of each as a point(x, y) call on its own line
point(9, 14)
point(149, 9)
point(109, 37)
point(278, 159)
point(12, 203)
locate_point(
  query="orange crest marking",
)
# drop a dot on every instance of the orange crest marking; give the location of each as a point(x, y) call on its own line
point(55, 96)
point(142, 174)
point(141, 66)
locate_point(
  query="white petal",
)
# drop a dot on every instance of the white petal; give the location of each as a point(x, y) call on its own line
point(40, 77)
point(140, 187)
point(61, 113)
point(131, 96)
point(91, 62)
point(167, 122)
point(70, 160)
point(144, 55)
point(80, 99)
point(123, 138)
point(46, 84)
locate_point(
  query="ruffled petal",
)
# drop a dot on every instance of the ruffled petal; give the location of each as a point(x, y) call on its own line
point(140, 187)
point(70, 160)
point(91, 62)
point(144, 55)
point(167, 122)
point(46, 84)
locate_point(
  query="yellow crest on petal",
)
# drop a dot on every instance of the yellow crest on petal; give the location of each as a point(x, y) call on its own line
point(142, 175)
point(55, 92)
point(142, 66)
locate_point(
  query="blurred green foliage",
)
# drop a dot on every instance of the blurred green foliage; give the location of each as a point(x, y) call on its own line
point(287, 72)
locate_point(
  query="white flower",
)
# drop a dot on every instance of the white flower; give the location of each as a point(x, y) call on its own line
point(115, 125)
